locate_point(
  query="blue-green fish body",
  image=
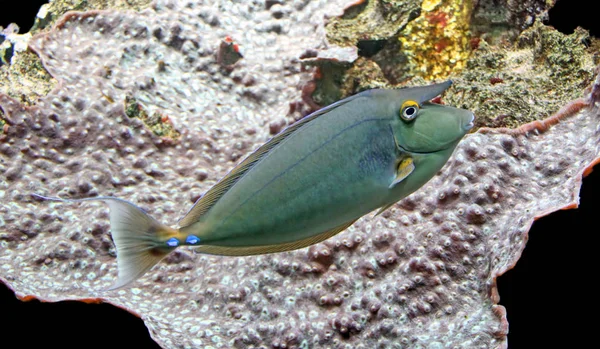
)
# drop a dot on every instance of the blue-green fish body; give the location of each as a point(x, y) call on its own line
point(308, 183)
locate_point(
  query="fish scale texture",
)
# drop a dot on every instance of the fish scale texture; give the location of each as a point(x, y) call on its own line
point(421, 275)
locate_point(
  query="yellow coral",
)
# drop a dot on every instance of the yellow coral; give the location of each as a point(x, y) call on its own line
point(437, 43)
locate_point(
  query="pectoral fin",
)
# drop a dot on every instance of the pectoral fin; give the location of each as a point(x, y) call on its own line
point(405, 167)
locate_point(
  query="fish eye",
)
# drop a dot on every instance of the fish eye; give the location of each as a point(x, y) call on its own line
point(409, 110)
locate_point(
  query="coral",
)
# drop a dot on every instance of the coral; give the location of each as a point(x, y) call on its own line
point(420, 275)
point(51, 12)
point(363, 75)
point(2, 122)
point(228, 53)
point(158, 123)
point(21, 73)
point(513, 84)
point(437, 43)
point(500, 20)
point(510, 71)
point(334, 61)
point(372, 27)
point(371, 21)
point(25, 79)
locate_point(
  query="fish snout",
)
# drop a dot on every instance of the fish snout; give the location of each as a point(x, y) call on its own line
point(469, 122)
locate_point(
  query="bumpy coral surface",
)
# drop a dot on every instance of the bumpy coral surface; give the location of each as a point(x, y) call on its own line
point(420, 275)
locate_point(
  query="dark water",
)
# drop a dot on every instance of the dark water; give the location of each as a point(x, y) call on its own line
point(69, 325)
point(566, 15)
point(549, 296)
point(22, 13)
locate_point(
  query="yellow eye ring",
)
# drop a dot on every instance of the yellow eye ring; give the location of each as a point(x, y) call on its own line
point(409, 110)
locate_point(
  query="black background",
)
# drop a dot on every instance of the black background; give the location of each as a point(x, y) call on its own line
point(549, 295)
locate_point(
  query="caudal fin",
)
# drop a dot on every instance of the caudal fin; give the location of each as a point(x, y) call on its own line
point(140, 240)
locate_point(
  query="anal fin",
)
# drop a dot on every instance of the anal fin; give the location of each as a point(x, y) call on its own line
point(262, 249)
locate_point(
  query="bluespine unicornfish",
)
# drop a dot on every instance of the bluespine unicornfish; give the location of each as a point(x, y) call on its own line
point(306, 184)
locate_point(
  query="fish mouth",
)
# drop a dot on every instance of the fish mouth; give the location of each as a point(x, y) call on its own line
point(470, 124)
point(418, 152)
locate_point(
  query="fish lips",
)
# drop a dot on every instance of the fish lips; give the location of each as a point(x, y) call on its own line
point(469, 125)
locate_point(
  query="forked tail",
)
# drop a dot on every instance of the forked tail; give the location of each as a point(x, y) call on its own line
point(141, 241)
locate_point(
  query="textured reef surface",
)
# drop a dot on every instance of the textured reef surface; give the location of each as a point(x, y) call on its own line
point(156, 103)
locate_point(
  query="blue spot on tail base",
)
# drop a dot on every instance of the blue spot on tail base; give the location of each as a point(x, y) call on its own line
point(192, 240)
point(173, 242)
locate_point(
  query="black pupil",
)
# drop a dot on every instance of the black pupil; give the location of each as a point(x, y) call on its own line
point(409, 111)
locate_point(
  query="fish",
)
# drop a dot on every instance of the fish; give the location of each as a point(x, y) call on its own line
point(306, 184)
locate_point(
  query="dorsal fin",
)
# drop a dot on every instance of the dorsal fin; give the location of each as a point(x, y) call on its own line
point(214, 194)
